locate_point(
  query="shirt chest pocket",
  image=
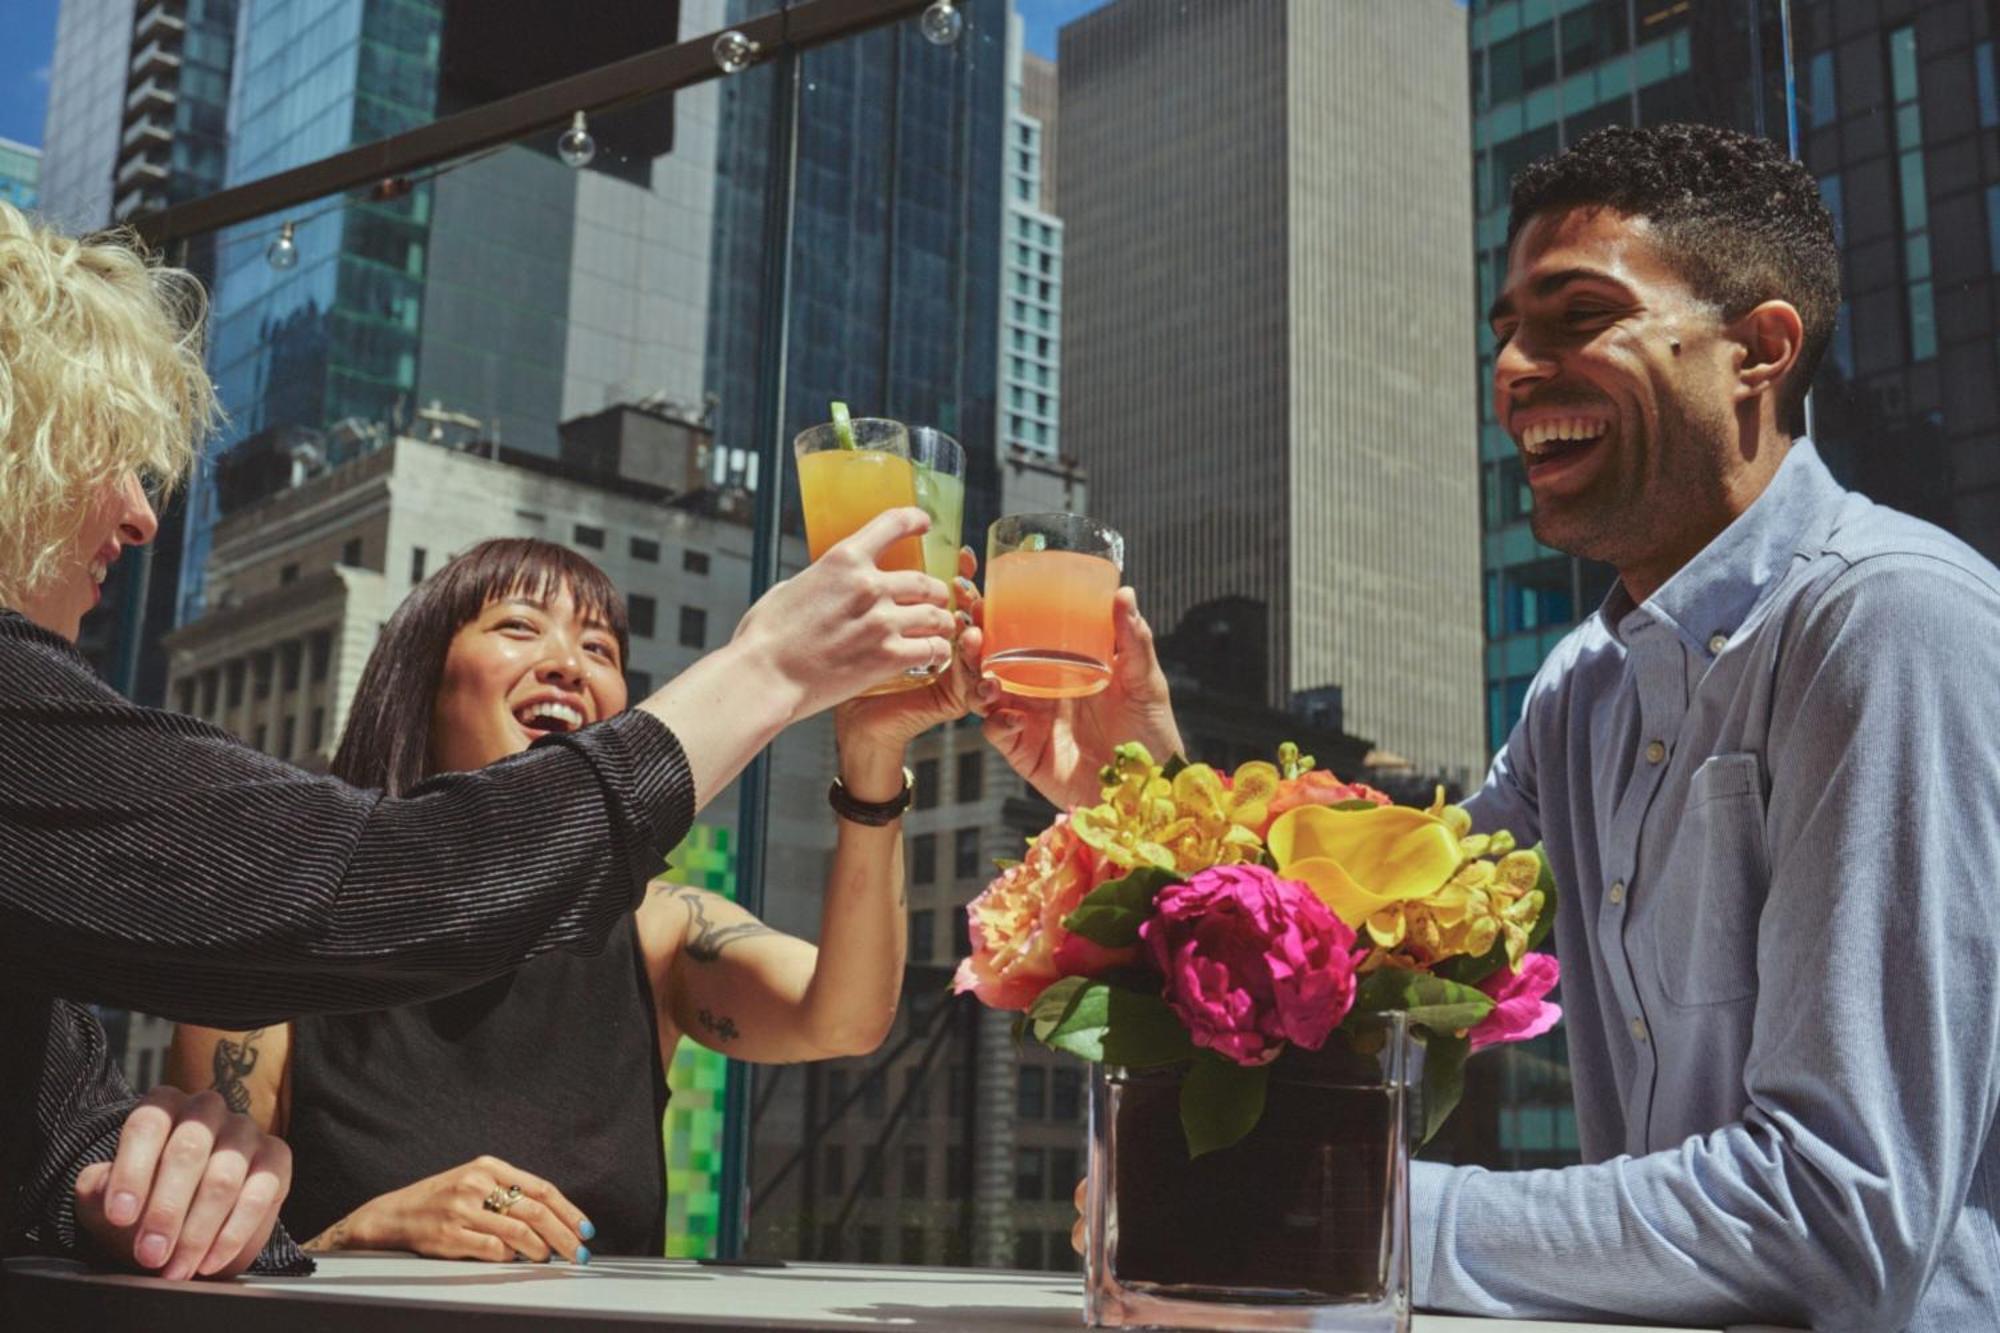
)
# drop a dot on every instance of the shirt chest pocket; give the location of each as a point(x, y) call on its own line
point(1709, 890)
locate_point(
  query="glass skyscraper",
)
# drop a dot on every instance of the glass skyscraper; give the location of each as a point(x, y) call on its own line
point(20, 172)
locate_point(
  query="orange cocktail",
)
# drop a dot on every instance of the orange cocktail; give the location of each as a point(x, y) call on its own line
point(842, 489)
point(1050, 579)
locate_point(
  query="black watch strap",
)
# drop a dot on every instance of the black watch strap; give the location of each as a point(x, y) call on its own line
point(872, 813)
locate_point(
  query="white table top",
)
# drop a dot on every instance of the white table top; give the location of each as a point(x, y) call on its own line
point(380, 1293)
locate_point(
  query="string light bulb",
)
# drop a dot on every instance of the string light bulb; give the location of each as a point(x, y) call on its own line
point(283, 253)
point(942, 23)
point(576, 148)
point(734, 52)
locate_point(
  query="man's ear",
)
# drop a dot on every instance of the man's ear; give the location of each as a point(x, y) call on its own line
point(1772, 337)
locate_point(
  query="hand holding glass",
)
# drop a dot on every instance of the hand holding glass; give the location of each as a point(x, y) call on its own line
point(1050, 579)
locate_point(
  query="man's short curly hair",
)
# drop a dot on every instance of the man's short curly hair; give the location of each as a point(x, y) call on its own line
point(1741, 222)
point(100, 376)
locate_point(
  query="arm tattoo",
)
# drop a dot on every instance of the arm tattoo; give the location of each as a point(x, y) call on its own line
point(333, 1238)
point(706, 940)
point(233, 1062)
point(722, 1026)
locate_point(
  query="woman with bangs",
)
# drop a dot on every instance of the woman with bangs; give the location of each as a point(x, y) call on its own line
point(522, 1117)
point(150, 861)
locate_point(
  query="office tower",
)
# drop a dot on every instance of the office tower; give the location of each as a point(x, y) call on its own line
point(1030, 260)
point(1267, 367)
point(20, 173)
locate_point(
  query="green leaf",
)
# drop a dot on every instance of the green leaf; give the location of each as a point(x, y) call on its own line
point(1110, 915)
point(1472, 971)
point(1438, 1004)
point(1221, 1101)
point(1355, 804)
point(1443, 1082)
point(1116, 1026)
point(1052, 1004)
point(1546, 882)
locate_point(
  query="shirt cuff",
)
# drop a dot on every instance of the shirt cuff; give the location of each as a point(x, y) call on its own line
point(1431, 1187)
point(639, 756)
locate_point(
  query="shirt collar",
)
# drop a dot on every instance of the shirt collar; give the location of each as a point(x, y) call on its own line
point(1708, 599)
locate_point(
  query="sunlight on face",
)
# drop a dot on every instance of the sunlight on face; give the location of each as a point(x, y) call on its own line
point(518, 671)
point(121, 516)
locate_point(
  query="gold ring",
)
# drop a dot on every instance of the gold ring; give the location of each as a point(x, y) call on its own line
point(499, 1201)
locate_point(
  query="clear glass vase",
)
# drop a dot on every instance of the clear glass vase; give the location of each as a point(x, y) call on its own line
point(1303, 1224)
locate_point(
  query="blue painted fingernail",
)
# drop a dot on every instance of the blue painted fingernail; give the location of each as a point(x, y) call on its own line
point(587, 1231)
point(583, 1254)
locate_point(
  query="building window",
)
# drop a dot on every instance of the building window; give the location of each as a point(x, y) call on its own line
point(957, 1172)
point(916, 1093)
point(922, 947)
point(954, 1100)
point(971, 777)
point(925, 794)
point(1063, 1174)
point(1029, 1090)
point(211, 680)
point(289, 574)
point(639, 610)
point(915, 1183)
point(872, 1171)
point(350, 554)
point(290, 656)
point(1908, 120)
point(923, 859)
point(1066, 1094)
point(833, 1166)
point(913, 1245)
point(1989, 85)
point(288, 736)
point(873, 1096)
point(585, 535)
point(417, 558)
point(694, 627)
point(965, 853)
point(260, 738)
point(638, 684)
point(694, 562)
point(1993, 224)
point(1031, 1179)
point(317, 731)
point(1822, 103)
point(829, 1241)
point(260, 677)
point(322, 650)
point(184, 695)
point(646, 549)
point(870, 1245)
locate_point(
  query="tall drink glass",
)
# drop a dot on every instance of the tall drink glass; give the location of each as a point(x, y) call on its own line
point(843, 486)
point(1050, 579)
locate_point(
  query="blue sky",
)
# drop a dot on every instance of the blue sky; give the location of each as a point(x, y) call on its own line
point(1041, 18)
point(31, 42)
point(25, 51)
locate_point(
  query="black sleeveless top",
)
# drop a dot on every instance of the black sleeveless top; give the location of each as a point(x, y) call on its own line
point(554, 1069)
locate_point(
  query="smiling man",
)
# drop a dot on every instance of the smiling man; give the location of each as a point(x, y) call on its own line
point(1767, 775)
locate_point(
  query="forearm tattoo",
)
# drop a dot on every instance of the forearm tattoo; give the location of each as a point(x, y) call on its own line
point(233, 1062)
point(706, 940)
point(721, 1027)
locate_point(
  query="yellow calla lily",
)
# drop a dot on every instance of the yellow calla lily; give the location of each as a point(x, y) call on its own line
point(1361, 861)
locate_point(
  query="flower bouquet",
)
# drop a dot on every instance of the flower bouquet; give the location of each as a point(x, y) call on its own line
point(1278, 976)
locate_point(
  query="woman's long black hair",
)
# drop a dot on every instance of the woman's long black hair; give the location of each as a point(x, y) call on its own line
point(387, 740)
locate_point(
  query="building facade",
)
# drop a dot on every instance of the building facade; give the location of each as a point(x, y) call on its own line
point(1266, 364)
point(1030, 260)
point(20, 174)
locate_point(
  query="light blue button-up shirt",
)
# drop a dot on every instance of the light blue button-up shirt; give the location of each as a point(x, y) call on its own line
point(1771, 796)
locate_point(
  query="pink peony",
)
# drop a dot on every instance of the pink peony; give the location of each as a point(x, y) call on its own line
point(1519, 1011)
point(1019, 944)
point(1251, 961)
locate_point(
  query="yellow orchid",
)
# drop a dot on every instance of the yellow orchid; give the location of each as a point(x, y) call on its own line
point(1185, 823)
point(1361, 862)
point(1482, 902)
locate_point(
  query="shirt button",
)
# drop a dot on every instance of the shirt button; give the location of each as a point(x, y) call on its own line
point(1717, 643)
point(1618, 892)
point(1638, 1029)
point(1655, 752)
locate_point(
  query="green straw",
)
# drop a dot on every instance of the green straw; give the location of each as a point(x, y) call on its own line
point(843, 429)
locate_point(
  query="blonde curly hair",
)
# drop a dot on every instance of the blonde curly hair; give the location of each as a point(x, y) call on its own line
point(100, 376)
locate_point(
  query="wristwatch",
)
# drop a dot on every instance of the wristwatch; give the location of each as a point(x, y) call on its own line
point(872, 813)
